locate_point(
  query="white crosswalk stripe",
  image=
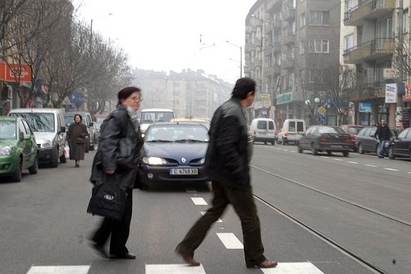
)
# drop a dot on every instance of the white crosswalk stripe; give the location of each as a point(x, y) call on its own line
point(230, 241)
point(198, 201)
point(293, 268)
point(173, 269)
point(67, 269)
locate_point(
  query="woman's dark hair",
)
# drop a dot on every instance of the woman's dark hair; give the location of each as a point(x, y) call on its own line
point(126, 92)
point(75, 115)
point(242, 87)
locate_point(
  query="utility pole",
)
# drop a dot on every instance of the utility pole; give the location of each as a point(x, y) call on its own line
point(398, 114)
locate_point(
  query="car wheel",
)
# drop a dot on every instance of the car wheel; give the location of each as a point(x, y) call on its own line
point(55, 158)
point(35, 167)
point(300, 150)
point(16, 177)
point(314, 150)
point(329, 153)
point(278, 141)
point(391, 153)
point(360, 149)
point(345, 153)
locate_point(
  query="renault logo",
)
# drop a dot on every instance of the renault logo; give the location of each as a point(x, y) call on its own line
point(183, 160)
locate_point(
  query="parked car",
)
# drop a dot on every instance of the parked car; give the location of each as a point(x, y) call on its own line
point(401, 146)
point(325, 139)
point(263, 130)
point(47, 125)
point(87, 120)
point(291, 131)
point(18, 148)
point(366, 142)
point(352, 130)
point(173, 152)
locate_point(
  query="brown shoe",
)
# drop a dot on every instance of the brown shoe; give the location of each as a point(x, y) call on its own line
point(187, 258)
point(267, 264)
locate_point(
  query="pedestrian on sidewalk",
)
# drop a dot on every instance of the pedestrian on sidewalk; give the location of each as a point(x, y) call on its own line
point(76, 139)
point(227, 165)
point(121, 124)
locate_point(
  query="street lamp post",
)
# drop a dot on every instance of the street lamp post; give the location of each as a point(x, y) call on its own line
point(241, 57)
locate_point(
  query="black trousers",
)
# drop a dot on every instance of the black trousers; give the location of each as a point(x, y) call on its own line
point(119, 229)
point(243, 202)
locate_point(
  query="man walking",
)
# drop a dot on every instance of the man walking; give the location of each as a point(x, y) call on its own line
point(227, 165)
point(384, 135)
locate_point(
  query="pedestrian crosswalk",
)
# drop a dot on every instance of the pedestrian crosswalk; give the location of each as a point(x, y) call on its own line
point(282, 268)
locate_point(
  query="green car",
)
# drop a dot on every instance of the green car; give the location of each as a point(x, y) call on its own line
point(18, 148)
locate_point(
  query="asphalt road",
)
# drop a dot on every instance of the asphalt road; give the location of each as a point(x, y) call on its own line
point(319, 214)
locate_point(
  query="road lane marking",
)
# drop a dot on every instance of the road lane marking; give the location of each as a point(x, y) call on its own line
point(390, 169)
point(198, 201)
point(336, 159)
point(174, 269)
point(230, 241)
point(352, 162)
point(218, 221)
point(292, 268)
point(370, 165)
point(62, 269)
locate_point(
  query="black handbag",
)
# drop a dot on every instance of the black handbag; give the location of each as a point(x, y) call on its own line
point(107, 199)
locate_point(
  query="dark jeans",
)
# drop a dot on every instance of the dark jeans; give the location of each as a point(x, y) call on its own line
point(381, 147)
point(119, 229)
point(243, 202)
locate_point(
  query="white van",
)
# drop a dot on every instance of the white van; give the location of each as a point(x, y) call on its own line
point(48, 128)
point(151, 115)
point(292, 131)
point(263, 130)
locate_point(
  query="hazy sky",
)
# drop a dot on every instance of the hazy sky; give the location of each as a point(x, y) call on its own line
point(164, 35)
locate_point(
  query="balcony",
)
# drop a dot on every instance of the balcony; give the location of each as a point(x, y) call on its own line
point(289, 14)
point(369, 51)
point(370, 10)
point(289, 39)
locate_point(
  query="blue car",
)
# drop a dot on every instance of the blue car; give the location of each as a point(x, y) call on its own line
point(173, 153)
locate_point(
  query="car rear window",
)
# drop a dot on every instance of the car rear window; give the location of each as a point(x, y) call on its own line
point(262, 125)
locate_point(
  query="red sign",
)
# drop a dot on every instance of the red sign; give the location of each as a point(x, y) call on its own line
point(15, 72)
point(407, 96)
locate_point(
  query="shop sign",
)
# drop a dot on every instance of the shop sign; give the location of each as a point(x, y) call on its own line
point(15, 72)
point(284, 98)
point(364, 107)
point(390, 93)
point(407, 96)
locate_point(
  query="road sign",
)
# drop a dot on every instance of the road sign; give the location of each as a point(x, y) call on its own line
point(321, 110)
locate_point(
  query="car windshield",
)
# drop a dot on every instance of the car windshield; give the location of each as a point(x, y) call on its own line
point(354, 130)
point(322, 130)
point(177, 133)
point(68, 119)
point(7, 130)
point(39, 122)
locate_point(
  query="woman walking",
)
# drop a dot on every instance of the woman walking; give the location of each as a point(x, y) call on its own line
point(120, 126)
point(76, 139)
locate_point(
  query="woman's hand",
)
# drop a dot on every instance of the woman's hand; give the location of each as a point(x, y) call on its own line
point(110, 171)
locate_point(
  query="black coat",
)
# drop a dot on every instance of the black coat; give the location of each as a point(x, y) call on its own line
point(227, 155)
point(116, 126)
point(383, 132)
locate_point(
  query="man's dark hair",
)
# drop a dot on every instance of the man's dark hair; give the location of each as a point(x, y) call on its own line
point(126, 92)
point(242, 87)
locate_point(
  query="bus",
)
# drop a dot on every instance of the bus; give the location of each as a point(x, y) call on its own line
point(151, 115)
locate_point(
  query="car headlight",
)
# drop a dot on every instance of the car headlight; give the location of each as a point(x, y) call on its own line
point(6, 151)
point(46, 144)
point(154, 161)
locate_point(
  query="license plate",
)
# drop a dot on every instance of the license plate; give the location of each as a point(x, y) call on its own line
point(184, 171)
point(336, 146)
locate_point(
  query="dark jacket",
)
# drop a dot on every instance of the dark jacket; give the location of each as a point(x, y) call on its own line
point(116, 126)
point(227, 154)
point(383, 132)
point(76, 130)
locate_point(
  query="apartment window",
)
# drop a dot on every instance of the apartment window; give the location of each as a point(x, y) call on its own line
point(319, 18)
point(311, 76)
point(348, 5)
point(302, 20)
point(348, 41)
point(319, 46)
point(405, 22)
